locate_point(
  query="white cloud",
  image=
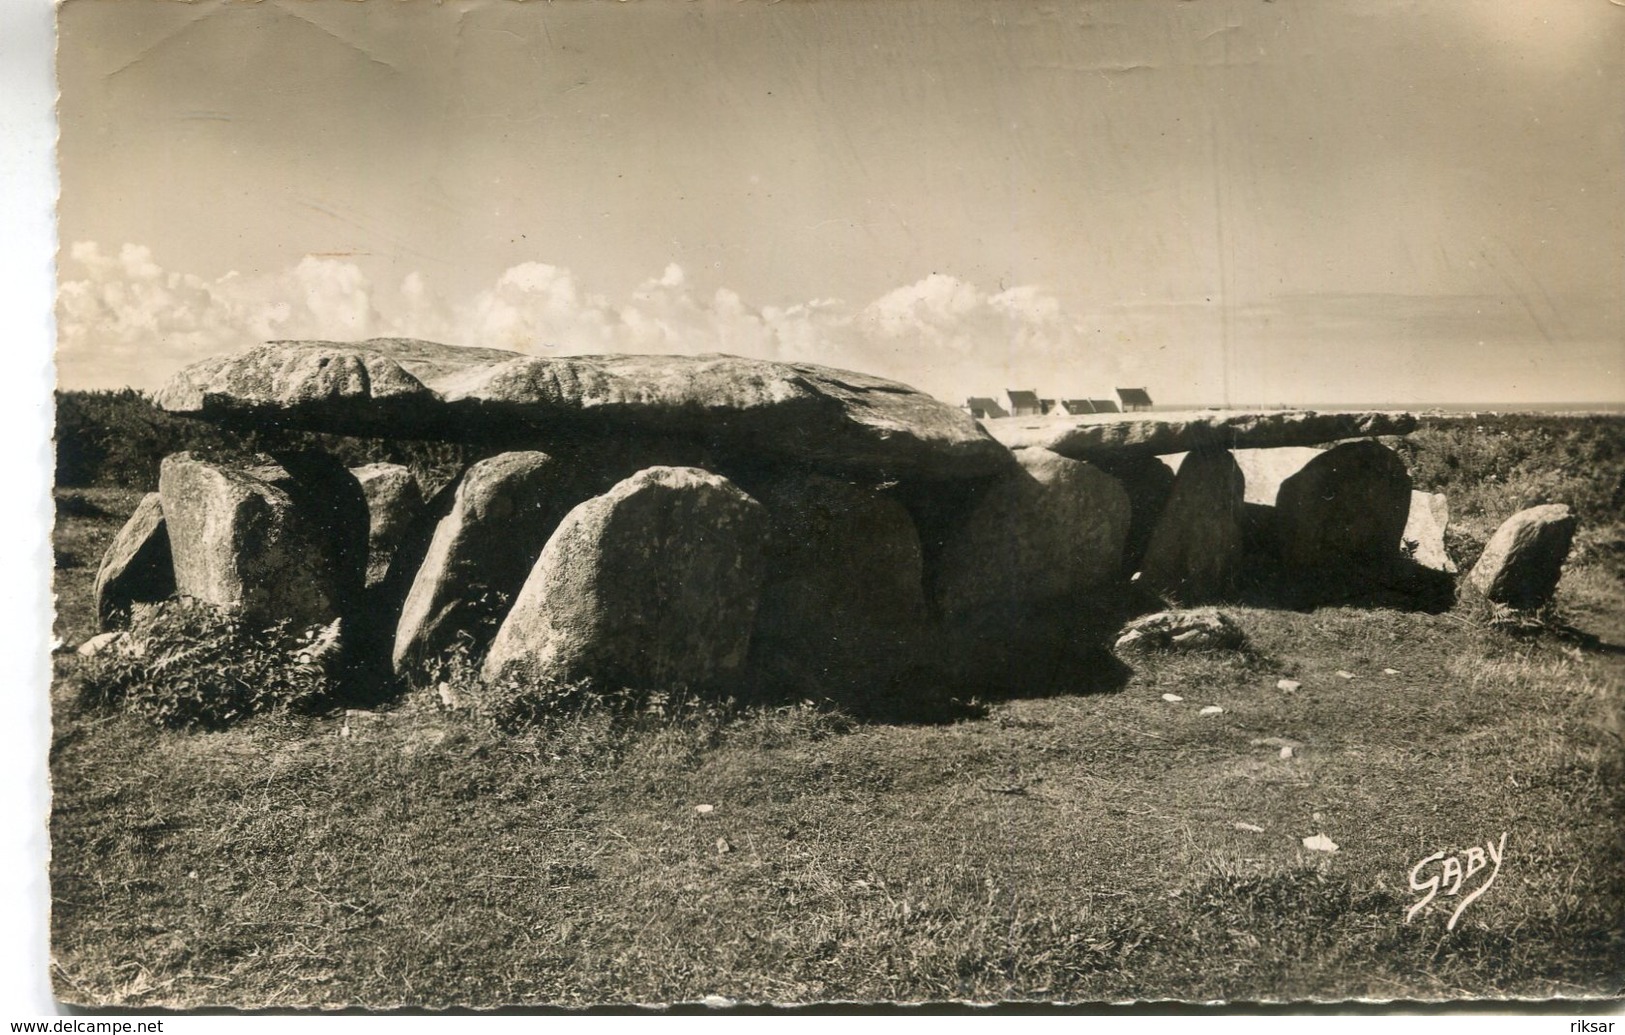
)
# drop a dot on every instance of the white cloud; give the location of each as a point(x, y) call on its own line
point(126, 320)
point(338, 300)
point(535, 307)
point(935, 305)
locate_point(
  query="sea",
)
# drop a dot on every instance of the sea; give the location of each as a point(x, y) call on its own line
point(1568, 408)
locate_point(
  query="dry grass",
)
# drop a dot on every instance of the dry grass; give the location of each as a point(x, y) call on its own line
point(1075, 847)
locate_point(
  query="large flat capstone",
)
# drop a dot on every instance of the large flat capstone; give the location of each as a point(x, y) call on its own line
point(1099, 436)
point(751, 408)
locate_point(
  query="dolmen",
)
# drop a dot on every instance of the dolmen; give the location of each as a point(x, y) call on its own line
point(733, 526)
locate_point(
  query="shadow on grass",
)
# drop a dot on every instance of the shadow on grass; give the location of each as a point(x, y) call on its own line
point(73, 504)
point(959, 667)
point(1051, 648)
point(1398, 584)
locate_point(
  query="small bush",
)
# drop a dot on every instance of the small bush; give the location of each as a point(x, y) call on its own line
point(120, 439)
point(513, 703)
point(1496, 467)
point(71, 504)
point(185, 664)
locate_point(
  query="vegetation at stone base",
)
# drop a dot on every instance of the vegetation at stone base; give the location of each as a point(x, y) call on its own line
point(1080, 847)
point(1494, 467)
point(119, 438)
point(508, 703)
point(185, 664)
point(1067, 848)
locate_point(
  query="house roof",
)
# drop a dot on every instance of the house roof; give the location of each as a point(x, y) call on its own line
point(985, 405)
point(1021, 397)
point(1134, 396)
point(1104, 406)
point(1078, 406)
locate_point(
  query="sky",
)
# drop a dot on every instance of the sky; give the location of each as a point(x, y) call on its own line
point(1229, 203)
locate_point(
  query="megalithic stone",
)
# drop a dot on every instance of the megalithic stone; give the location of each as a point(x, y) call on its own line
point(1345, 509)
point(651, 586)
point(843, 608)
point(503, 510)
point(1196, 549)
point(136, 567)
point(1523, 561)
point(1050, 528)
point(394, 500)
point(239, 542)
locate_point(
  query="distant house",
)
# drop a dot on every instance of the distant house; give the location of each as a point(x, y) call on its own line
point(1023, 403)
point(1066, 407)
point(1020, 403)
point(982, 407)
point(1134, 399)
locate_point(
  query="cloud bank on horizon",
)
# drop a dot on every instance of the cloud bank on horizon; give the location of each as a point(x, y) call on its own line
point(1227, 202)
point(124, 320)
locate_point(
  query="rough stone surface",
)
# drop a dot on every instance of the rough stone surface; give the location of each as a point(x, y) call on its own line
point(100, 642)
point(137, 566)
point(1522, 562)
point(1424, 531)
point(1202, 629)
point(239, 542)
point(326, 381)
point(502, 511)
point(397, 387)
point(394, 501)
point(1148, 481)
point(1196, 549)
point(329, 501)
point(1346, 507)
point(1265, 470)
point(1089, 436)
point(843, 605)
point(653, 585)
point(1050, 528)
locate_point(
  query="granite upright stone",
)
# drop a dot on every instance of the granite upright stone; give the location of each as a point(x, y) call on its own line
point(137, 567)
point(1196, 549)
point(502, 513)
point(238, 542)
point(1523, 561)
point(1346, 509)
point(652, 586)
point(1051, 528)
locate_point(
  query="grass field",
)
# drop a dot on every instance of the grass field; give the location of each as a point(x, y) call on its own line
point(1096, 848)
